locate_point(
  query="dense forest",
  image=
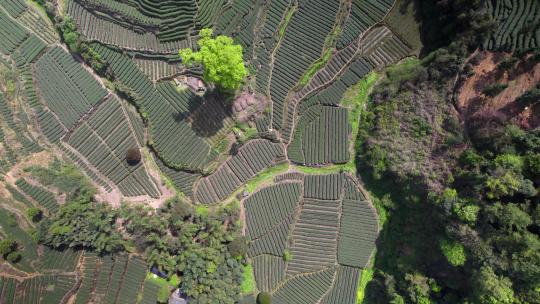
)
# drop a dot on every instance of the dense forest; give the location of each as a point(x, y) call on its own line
point(458, 193)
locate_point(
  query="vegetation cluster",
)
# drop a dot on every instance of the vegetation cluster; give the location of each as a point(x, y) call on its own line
point(458, 198)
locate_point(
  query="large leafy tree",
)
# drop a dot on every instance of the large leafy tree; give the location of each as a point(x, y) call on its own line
point(221, 59)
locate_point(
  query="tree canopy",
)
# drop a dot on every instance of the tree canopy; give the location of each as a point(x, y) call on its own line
point(221, 59)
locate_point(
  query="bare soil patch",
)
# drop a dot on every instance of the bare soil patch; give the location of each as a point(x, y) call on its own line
point(248, 106)
point(523, 77)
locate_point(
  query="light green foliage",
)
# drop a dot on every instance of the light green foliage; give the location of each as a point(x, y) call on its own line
point(10, 88)
point(467, 213)
point(248, 282)
point(504, 185)
point(454, 252)
point(450, 196)
point(267, 175)
point(221, 58)
point(492, 289)
point(287, 256)
point(365, 276)
point(163, 294)
point(509, 161)
point(285, 23)
point(317, 65)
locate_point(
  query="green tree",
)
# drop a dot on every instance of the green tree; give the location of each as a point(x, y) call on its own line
point(238, 246)
point(13, 257)
point(509, 161)
point(264, 298)
point(7, 246)
point(509, 216)
point(454, 252)
point(492, 289)
point(69, 33)
point(467, 213)
point(221, 59)
point(287, 256)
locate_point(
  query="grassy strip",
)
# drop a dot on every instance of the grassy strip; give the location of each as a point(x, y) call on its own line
point(285, 23)
point(327, 169)
point(172, 282)
point(315, 67)
point(266, 175)
point(355, 99)
point(365, 277)
point(248, 282)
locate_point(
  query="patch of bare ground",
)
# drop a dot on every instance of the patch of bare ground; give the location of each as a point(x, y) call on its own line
point(115, 199)
point(41, 159)
point(523, 76)
point(9, 271)
point(248, 106)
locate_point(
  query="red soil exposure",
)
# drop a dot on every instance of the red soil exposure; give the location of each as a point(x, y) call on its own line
point(523, 77)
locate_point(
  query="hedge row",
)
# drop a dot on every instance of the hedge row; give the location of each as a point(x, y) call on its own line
point(305, 289)
point(166, 110)
point(364, 14)
point(251, 159)
point(274, 241)
point(269, 271)
point(269, 206)
point(301, 46)
point(518, 26)
point(321, 137)
point(103, 140)
point(314, 237)
point(67, 88)
point(345, 285)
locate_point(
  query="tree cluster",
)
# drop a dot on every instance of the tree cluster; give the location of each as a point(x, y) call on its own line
point(77, 45)
point(202, 245)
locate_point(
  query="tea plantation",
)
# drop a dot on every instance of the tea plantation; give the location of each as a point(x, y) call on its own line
point(125, 177)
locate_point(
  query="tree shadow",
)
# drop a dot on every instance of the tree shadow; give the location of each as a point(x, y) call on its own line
point(207, 114)
point(408, 241)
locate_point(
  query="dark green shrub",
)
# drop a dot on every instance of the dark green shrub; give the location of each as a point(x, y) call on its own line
point(493, 90)
point(35, 214)
point(13, 257)
point(238, 246)
point(7, 246)
point(133, 156)
point(264, 298)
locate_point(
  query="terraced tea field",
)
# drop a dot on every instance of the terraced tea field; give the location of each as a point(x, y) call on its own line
point(310, 235)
